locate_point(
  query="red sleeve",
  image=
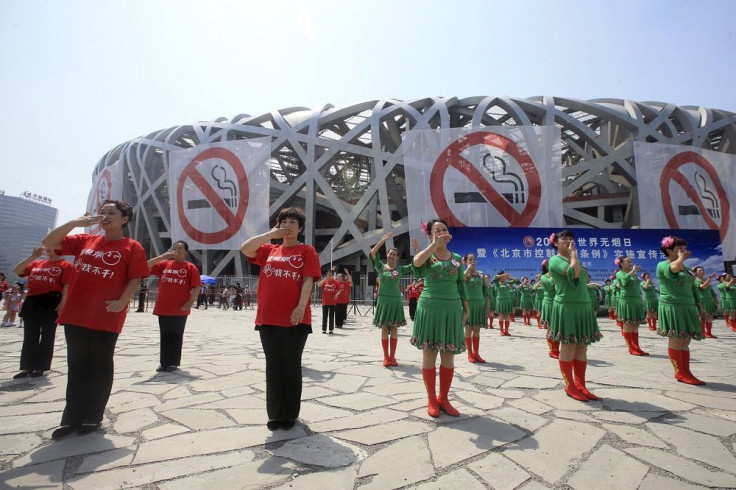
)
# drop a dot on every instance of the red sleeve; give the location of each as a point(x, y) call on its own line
point(194, 279)
point(311, 263)
point(67, 271)
point(261, 254)
point(138, 266)
point(158, 268)
point(28, 269)
point(73, 244)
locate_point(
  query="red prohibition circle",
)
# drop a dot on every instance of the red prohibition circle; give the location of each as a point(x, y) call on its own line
point(233, 221)
point(671, 172)
point(105, 179)
point(450, 157)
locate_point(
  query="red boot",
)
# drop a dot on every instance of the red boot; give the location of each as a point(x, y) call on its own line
point(629, 338)
point(552, 351)
point(469, 345)
point(708, 331)
point(446, 375)
point(506, 325)
point(386, 358)
point(570, 388)
point(392, 352)
point(557, 349)
point(430, 380)
point(690, 378)
point(491, 322)
point(579, 368)
point(635, 337)
point(677, 365)
point(476, 344)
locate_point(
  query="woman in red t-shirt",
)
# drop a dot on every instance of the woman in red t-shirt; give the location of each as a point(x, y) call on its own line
point(345, 284)
point(48, 282)
point(283, 317)
point(329, 288)
point(178, 288)
point(108, 269)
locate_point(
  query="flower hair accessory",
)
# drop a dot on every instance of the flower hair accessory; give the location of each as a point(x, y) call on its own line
point(552, 238)
point(617, 261)
point(668, 242)
point(544, 262)
point(424, 228)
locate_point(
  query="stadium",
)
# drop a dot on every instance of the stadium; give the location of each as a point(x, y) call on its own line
point(345, 167)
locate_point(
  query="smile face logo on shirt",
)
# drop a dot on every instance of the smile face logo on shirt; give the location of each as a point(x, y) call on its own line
point(181, 273)
point(111, 258)
point(296, 261)
point(55, 271)
point(395, 273)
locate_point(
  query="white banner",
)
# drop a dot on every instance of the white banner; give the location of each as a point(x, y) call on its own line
point(683, 187)
point(108, 185)
point(488, 177)
point(219, 193)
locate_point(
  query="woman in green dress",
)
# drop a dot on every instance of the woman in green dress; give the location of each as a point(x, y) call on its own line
point(727, 288)
point(538, 296)
point(491, 295)
point(651, 304)
point(571, 322)
point(678, 316)
point(504, 300)
point(608, 297)
point(525, 300)
point(548, 293)
point(706, 301)
point(478, 307)
point(442, 310)
point(630, 306)
point(389, 315)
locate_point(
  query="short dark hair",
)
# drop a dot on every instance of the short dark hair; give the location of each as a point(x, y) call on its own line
point(186, 245)
point(294, 213)
point(431, 223)
point(126, 210)
point(561, 234)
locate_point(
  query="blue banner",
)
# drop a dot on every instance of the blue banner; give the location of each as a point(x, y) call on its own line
point(520, 251)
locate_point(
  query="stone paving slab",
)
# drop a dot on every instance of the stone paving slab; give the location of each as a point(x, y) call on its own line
point(204, 425)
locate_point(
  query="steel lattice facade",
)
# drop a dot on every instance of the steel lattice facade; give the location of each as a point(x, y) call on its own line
point(344, 165)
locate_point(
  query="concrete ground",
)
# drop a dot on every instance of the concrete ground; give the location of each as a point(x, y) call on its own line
point(366, 426)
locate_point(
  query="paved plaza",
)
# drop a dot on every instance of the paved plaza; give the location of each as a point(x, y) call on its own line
point(366, 426)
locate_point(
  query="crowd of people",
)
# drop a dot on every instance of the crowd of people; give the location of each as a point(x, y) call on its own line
point(450, 303)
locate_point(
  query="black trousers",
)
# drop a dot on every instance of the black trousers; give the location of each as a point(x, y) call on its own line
point(412, 307)
point(172, 338)
point(328, 311)
point(341, 313)
point(39, 333)
point(90, 373)
point(283, 347)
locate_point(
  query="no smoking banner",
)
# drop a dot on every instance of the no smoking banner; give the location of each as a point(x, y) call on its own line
point(484, 178)
point(219, 193)
point(683, 187)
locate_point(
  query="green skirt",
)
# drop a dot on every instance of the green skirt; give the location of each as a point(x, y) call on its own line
point(631, 310)
point(526, 304)
point(651, 304)
point(727, 304)
point(389, 312)
point(573, 323)
point(709, 307)
point(546, 312)
point(504, 306)
point(438, 326)
point(477, 316)
point(680, 321)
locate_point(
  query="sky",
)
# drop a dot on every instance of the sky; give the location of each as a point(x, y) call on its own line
point(79, 77)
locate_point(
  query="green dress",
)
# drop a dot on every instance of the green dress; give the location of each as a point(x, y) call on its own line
point(615, 294)
point(525, 298)
point(572, 320)
point(491, 295)
point(438, 321)
point(630, 306)
point(389, 305)
point(727, 296)
point(548, 291)
point(704, 296)
point(475, 286)
point(650, 297)
point(608, 290)
point(594, 292)
point(538, 296)
point(504, 297)
point(678, 315)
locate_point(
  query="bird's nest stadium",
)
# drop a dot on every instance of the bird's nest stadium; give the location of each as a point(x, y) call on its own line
point(344, 165)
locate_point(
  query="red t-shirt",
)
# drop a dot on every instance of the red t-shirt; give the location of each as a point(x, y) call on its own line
point(175, 283)
point(45, 276)
point(344, 288)
point(103, 269)
point(329, 289)
point(283, 270)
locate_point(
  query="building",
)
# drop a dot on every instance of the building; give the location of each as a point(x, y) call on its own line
point(24, 221)
point(345, 166)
